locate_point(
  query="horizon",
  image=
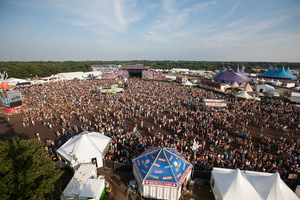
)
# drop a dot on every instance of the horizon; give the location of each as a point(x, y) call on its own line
point(223, 62)
point(168, 30)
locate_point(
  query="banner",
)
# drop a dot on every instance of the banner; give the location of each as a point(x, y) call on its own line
point(215, 103)
point(14, 97)
point(5, 101)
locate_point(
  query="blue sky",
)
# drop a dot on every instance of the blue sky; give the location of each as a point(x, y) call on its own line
point(222, 30)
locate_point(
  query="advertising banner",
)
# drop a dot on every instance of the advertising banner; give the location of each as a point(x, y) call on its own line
point(14, 97)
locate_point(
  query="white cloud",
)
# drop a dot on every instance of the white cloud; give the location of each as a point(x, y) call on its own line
point(103, 14)
point(173, 21)
point(112, 15)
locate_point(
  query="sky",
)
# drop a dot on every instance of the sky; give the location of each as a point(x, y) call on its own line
point(191, 30)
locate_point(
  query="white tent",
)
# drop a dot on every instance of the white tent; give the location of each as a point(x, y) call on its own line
point(243, 95)
point(187, 83)
point(92, 73)
point(248, 88)
point(230, 185)
point(278, 83)
point(297, 191)
point(70, 75)
point(239, 184)
point(84, 185)
point(86, 147)
point(235, 85)
point(270, 186)
point(14, 81)
point(271, 82)
point(264, 88)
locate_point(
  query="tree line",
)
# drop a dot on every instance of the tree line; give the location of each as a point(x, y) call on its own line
point(44, 69)
point(41, 69)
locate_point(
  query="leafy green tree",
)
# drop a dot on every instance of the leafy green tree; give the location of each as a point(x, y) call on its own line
point(26, 171)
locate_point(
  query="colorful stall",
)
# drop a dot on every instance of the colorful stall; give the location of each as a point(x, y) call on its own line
point(161, 173)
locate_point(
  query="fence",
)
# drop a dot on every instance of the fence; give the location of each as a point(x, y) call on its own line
point(116, 166)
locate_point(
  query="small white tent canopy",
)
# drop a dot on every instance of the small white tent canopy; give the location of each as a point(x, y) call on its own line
point(230, 184)
point(243, 95)
point(93, 189)
point(271, 82)
point(85, 148)
point(278, 83)
point(248, 88)
point(187, 83)
point(239, 184)
point(235, 85)
point(85, 184)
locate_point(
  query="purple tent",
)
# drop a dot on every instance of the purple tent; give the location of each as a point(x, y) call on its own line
point(230, 76)
point(243, 72)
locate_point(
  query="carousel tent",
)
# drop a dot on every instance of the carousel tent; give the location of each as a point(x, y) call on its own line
point(243, 95)
point(161, 173)
point(229, 76)
point(87, 147)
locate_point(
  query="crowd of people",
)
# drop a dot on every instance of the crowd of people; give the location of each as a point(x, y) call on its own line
point(250, 135)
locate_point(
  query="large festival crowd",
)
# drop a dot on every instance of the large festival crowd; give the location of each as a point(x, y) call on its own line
point(250, 135)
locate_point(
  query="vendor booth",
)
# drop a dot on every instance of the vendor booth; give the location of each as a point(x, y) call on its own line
point(161, 173)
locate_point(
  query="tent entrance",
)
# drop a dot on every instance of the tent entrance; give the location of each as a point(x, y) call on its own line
point(94, 161)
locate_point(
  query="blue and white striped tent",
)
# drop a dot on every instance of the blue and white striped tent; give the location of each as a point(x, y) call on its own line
point(160, 172)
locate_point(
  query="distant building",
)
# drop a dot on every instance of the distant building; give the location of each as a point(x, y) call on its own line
point(182, 71)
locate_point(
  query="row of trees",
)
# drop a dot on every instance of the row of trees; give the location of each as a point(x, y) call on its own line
point(43, 69)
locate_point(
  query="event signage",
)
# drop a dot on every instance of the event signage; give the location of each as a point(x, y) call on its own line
point(215, 103)
point(5, 101)
point(138, 171)
point(184, 175)
point(160, 183)
point(14, 97)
